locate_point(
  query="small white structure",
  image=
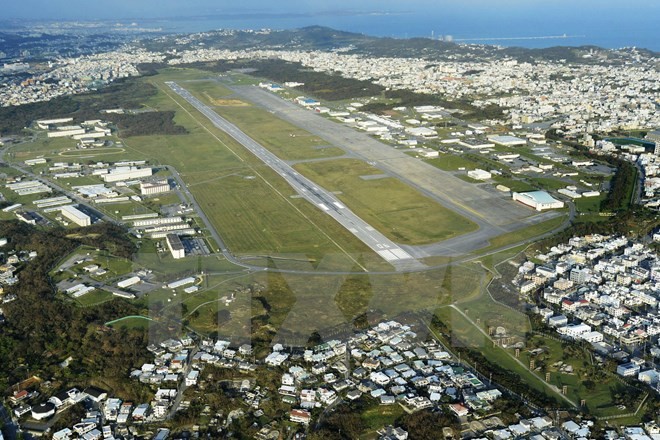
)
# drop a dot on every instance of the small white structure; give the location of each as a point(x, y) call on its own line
point(181, 282)
point(479, 174)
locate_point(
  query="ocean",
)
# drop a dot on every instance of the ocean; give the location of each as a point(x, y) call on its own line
point(540, 26)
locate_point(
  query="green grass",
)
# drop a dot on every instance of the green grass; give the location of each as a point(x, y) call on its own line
point(599, 399)
point(523, 234)
point(548, 183)
point(451, 162)
point(589, 204)
point(94, 298)
point(514, 185)
point(389, 205)
point(377, 417)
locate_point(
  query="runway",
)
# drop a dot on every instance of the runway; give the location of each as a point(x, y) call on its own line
point(319, 197)
point(494, 212)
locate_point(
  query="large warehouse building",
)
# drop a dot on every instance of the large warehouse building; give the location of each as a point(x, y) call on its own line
point(126, 173)
point(76, 216)
point(539, 200)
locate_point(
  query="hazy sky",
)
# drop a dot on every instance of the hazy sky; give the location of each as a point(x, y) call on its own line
point(122, 9)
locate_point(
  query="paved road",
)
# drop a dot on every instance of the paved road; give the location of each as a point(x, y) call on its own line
point(494, 212)
point(319, 197)
point(182, 385)
point(9, 428)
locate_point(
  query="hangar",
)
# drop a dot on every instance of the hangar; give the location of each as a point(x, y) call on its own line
point(539, 200)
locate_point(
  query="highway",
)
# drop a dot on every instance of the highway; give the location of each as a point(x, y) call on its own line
point(319, 197)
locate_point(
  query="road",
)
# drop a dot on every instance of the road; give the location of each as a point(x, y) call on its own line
point(9, 428)
point(182, 385)
point(319, 197)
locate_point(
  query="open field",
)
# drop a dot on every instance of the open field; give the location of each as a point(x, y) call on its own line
point(394, 208)
point(589, 204)
point(296, 305)
point(586, 381)
point(378, 416)
point(95, 298)
point(452, 162)
point(524, 234)
point(465, 334)
point(285, 140)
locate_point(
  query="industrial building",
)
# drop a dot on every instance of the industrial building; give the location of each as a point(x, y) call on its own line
point(149, 188)
point(71, 130)
point(45, 123)
point(149, 222)
point(479, 174)
point(507, 141)
point(128, 282)
point(76, 216)
point(175, 246)
point(126, 173)
point(539, 200)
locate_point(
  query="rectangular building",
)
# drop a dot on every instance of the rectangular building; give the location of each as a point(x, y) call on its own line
point(76, 216)
point(120, 174)
point(149, 188)
point(175, 246)
point(128, 282)
point(539, 200)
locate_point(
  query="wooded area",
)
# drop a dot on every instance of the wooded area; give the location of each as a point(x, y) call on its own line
point(147, 123)
point(42, 329)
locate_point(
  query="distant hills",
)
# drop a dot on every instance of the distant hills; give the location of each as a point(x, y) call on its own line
point(324, 38)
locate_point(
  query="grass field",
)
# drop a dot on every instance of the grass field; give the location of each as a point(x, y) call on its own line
point(392, 207)
point(452, 162)
point(589, 204)
point(524, 234)
point(464, 333)
point(95, 298)
point(377, 417)
point(298, 304)
point(598, 397)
